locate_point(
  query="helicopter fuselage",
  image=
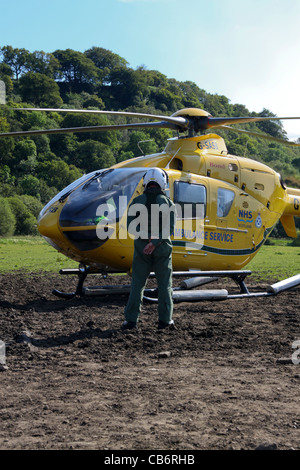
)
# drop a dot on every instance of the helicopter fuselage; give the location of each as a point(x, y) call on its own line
point(242, 200)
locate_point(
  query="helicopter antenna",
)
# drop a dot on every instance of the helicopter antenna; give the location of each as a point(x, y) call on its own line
point(140, 142)
point(168, 164)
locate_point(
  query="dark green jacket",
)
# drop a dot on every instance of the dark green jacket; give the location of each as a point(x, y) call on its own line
point(162, 226)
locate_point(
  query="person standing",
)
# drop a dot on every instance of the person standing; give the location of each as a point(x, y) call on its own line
point(152, 249)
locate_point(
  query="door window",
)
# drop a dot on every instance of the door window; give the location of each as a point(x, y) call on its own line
point(190, 199)
point(225, 200)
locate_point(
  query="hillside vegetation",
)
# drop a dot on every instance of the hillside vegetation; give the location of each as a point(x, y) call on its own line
point(34, 169)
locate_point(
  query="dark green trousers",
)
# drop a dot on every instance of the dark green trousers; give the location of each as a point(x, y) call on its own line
point(160, 262)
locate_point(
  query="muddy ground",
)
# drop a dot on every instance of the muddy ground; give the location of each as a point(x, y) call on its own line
point(224, 379)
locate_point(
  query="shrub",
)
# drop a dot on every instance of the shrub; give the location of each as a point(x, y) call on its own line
point(25, 221)
point(7, 218)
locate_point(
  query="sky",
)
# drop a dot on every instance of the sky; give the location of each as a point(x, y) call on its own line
point(247, 50)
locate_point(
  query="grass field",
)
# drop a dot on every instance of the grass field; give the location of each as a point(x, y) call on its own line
point(275, 262)
point(33, 254)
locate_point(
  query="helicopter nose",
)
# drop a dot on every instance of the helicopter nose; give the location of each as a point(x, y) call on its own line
point(48, 223)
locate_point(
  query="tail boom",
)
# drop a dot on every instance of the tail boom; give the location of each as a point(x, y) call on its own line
point(292, 210)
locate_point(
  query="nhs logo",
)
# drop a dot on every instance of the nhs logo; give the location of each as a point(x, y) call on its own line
point(245, 216)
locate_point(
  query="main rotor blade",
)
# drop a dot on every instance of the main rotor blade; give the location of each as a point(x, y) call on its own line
point(192, 122)
point(219, 121)
point(182, 123)
point(262, 136)
point(179, 121)
point(165, 125)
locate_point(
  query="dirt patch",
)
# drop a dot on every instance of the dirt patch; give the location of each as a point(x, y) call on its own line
point(223, 379)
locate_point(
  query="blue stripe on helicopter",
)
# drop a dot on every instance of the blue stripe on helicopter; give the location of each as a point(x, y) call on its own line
point(247, 221)
point(219, 251)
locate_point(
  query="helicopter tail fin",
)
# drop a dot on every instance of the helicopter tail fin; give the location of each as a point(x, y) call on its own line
point(292, 210)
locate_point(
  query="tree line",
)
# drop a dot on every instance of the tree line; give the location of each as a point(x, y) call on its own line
point(34, 169)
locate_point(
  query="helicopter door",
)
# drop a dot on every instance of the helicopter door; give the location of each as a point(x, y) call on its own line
point(225, 199)
point(227, 233)
point(190, 199)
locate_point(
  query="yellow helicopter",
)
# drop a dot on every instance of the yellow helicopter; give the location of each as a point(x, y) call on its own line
point(241, 202)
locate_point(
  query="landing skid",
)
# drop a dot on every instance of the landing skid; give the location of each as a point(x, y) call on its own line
point(184, 293)
point(82, 273)
point(81, 291)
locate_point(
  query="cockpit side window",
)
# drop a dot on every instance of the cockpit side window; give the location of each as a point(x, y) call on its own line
point(108, 190)
point(103, 189)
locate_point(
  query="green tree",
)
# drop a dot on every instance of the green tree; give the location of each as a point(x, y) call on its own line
point(4, 126)
point(216, 105)
point(296, 162)
point(93, 155)
point(28, 166)
point(46, 192)
point(57, 173)
point(34, 120)
point(5, 175)
point(25, 220)
point(30, 185)
point(124, 155)
point(140, 143)
point(160, 137)
point(40, 90)
point(190, 92)
point(24, 149)
point(43, 63)
point(64, 146)
point(156, 79)
point(91, 120)
point(273, 128)
point(32, 203)
point(24, 159)
point(105, 61)
point(42, 143)
point(83, 100)
point(76, 69)
point(7, 218)
point(16, 58)
point(93, 101)
point(164, 99)
point(127, 85)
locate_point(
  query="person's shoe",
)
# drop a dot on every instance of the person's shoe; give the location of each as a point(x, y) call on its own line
point(129, 325)
point(163, 325)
